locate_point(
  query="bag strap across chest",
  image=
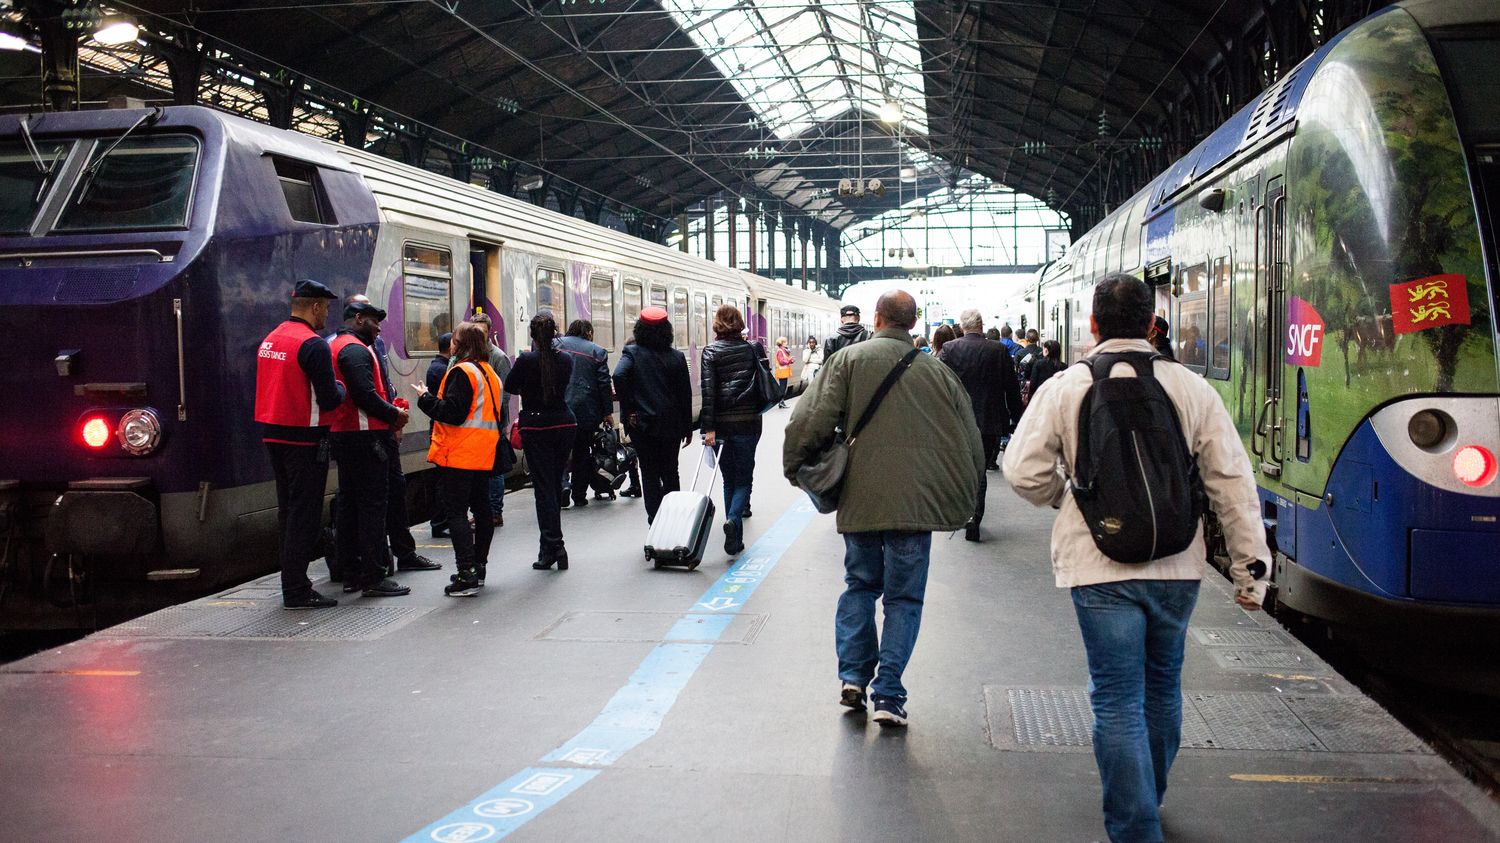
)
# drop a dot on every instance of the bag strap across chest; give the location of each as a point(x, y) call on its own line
point(885, 387)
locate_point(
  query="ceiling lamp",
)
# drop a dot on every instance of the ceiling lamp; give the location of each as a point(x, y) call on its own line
point(13, 37)
point(908, 174)
point(890, 112)
point(116, 29)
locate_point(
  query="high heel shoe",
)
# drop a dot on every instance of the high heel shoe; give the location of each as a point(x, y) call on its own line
point(560, 555)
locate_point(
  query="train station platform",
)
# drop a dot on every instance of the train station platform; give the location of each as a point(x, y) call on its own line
point(627, 703)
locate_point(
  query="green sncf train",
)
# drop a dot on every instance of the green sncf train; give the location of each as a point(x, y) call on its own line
point(1327, 260)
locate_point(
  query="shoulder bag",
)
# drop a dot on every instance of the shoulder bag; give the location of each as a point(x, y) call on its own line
point(765, 387)
point(823, 478)
point(505, 458)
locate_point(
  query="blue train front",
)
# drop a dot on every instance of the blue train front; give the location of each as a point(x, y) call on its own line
point(143, 254)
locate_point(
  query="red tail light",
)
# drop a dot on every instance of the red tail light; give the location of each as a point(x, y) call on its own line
point(1474, 465)
point(95, 432)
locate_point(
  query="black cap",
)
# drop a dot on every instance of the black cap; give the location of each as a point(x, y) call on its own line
point(309, 289)
point(363, 307)
point(848, 310)
point(445, 343)
point(1161, 326)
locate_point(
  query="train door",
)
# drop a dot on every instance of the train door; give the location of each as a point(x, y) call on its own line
point(757, 329)
point(1267, 438)
point(484, 285)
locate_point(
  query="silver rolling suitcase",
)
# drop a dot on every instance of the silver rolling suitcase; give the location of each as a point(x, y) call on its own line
point(679, 534)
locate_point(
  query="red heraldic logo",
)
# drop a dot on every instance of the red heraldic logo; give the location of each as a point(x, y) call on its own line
point(1304, 334)
point(1430, 302)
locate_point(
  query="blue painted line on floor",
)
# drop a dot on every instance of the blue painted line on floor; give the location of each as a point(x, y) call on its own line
point(635, 712)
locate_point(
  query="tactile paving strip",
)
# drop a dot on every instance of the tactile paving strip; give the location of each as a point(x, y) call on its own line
point(342, 623)
point(1236, 637)
point(1045, 718)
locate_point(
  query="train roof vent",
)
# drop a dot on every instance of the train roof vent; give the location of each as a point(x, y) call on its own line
point(1270, 111)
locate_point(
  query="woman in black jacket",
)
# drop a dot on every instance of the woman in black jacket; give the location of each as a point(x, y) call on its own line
point(540, 376)
point(656, 403)
point(730, 416)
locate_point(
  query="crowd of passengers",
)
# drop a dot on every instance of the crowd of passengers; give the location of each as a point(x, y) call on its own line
point(938, 409)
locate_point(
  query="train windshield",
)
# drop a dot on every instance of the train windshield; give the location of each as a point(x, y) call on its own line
point(143, 183)
point(24, 180)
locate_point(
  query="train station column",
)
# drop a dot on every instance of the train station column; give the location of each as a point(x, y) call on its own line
point(752, 219)
point(834, 245)
point(708, 228)
point(804, 232)
point(818, 238)
point(789, 230)
point(60, 75)
point(733, 207)
point(682, 231)
point(770, 220)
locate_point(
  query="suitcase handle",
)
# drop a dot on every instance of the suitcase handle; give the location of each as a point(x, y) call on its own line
point(707, 450)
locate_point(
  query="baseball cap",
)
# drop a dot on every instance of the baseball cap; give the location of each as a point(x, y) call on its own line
point(848, 310)
point(363, 307)
point(654, 314)
point(309, 289)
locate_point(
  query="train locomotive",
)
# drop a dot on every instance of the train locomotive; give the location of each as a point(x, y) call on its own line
point(143, 255)
point(1327, 259)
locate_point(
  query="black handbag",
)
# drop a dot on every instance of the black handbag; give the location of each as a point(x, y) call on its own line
point(768, 391)
point(823, 478)
point(505, 458)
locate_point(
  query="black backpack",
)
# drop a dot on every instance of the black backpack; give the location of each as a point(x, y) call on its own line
point(1135, 481)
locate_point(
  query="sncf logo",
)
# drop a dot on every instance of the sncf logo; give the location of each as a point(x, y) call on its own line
point(1304, 334)
point(267, 352)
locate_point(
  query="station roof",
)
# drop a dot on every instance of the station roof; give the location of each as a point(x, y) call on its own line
point(797, 103)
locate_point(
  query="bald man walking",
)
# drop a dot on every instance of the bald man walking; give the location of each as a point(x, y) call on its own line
point(904, 481)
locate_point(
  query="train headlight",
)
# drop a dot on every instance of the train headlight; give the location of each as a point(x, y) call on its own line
point(95, 432)
point(1475, 466)
point(139, 432)
point(1431, 430)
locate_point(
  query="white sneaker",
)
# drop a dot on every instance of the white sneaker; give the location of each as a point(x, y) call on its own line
point(852, 696)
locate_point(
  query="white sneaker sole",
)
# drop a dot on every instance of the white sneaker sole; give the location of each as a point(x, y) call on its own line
point(888, 719)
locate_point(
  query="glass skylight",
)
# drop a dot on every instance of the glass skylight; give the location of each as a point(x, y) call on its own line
point(798, 64)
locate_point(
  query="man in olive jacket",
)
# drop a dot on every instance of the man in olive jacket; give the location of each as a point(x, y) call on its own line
point(905, 480)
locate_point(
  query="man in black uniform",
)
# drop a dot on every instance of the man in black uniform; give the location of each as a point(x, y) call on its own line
point(363, 443)
point(849, 333)
point(990, 379)
point(295, 389)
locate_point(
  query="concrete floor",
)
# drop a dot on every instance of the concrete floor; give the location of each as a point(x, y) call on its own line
point(729, 731)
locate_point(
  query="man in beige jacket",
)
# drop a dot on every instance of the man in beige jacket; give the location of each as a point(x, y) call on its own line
point(1134, 617)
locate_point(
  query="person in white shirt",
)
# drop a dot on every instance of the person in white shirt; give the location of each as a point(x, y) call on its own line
point(1134, 617)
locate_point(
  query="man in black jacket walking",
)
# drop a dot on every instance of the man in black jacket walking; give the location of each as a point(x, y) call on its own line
point(849, 333)
point(990, 379)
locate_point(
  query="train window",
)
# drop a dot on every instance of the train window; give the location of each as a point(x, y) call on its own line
point(718, 302)
point(1219, 303)
point(139, 183)
point(602, 309)
point(659, 296)
point(1130, 237)
point(552, 294)
point(679, 317)
point(632, 291)
point(1099, 252)
point(1192, 318)
point(700, 320)
point(22, 183)
point(426, 282)
point(299, 186)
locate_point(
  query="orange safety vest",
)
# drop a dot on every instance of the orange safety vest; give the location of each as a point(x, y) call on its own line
point(470, 445)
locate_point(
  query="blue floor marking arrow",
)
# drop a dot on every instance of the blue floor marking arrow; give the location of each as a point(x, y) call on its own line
point(635, 712)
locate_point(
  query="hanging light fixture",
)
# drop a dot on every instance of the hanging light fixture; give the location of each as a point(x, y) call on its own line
point(116, 29)
point(890, 112)
point(909, 174)
point(13, 37)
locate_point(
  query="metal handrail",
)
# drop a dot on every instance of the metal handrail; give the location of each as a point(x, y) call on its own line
point(27, 257)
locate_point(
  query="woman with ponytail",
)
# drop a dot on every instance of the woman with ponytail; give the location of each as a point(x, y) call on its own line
point(540, 376)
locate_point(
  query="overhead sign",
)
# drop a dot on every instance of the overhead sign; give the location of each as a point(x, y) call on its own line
point(1304, 334)
point(1430, 302)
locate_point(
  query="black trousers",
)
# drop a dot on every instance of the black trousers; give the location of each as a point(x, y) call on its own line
point(658, 459)
point(546, 460)
point(397, 525)
point(360, 518)
point(460, 491)
point(581, 463)
point(991, 447)
point(301, 474)
point(991, 450)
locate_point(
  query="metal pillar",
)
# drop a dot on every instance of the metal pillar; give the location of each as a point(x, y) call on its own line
point(60, 79)
point(682, 232)
point(753, 218)
point(708, 229)
point(803, 233)
point(770, 219)
point(733, 207)
point(185, 67)
point(789, 230)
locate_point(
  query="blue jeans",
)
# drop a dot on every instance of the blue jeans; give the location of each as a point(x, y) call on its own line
point(891, 565)
point(737, 462)
point(1134, 632)
point(497, 493)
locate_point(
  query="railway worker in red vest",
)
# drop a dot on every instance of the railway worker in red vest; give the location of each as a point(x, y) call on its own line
point(361, 428)
point(295, 389)
point(466, 415)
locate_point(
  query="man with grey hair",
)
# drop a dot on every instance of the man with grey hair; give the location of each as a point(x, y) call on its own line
point(988, 376)
point(898, 489)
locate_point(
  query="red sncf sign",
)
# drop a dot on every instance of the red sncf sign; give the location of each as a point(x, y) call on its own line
point(1430, 302)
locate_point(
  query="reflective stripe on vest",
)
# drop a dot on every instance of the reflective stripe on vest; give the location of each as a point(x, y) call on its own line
point(470, 445)
point(349, 417)
point(283, 394)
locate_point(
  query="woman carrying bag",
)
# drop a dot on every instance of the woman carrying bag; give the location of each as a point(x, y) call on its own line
point(465, 415)
point(540, 376)
point(730, 416)
point(783, 369)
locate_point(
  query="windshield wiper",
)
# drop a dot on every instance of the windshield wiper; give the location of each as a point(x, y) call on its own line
point(43, 166)
point(87, 181)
